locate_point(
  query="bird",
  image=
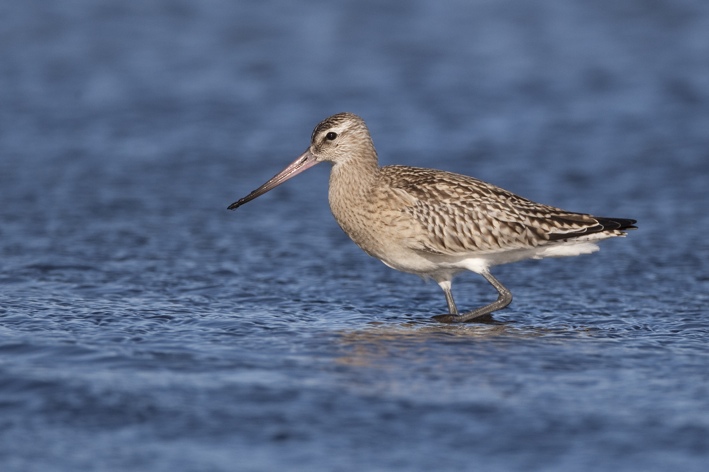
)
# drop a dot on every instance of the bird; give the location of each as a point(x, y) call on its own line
point(435, 223)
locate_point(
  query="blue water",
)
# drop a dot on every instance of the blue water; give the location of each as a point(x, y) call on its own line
point(145, 327)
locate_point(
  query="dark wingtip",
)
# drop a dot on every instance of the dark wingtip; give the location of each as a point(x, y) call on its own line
point(234, 205)
point(603, 224)
point(617, 223)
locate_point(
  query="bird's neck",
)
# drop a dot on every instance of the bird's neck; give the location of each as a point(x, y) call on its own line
point(351, 183)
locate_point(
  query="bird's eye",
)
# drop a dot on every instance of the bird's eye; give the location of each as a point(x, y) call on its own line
point(331, 136)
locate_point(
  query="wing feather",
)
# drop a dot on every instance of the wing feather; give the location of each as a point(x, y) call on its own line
point(454, 213)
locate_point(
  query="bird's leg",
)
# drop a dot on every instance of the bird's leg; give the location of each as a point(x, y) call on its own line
point(446, 286)
point(480, 314)
point(452, 309)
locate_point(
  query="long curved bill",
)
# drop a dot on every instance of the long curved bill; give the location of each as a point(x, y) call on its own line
point(305, 161)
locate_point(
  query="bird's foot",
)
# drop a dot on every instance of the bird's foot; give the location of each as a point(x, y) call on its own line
point(446, 318)
point(486, 318)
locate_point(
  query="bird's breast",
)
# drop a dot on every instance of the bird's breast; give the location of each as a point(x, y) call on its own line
point(368, 215)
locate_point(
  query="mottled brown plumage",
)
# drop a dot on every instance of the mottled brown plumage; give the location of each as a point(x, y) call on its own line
point(435, 223)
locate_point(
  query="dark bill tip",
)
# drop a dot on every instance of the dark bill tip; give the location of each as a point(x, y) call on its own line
point(305, 161)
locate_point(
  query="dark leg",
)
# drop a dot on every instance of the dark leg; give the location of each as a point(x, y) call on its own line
point(503, 299)
point(446, 287)
point(452, 309)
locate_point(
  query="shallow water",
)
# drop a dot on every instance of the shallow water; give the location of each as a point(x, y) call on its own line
point(145, 327)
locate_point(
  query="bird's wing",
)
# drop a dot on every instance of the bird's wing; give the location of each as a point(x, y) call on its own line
point(454, 213)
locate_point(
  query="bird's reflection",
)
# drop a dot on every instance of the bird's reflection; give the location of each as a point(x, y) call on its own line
point(422, 340)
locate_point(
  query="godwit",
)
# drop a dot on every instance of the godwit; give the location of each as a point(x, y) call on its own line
point(435, 223)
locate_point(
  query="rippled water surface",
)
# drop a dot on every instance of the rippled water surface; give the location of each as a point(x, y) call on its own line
point(145, 327)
